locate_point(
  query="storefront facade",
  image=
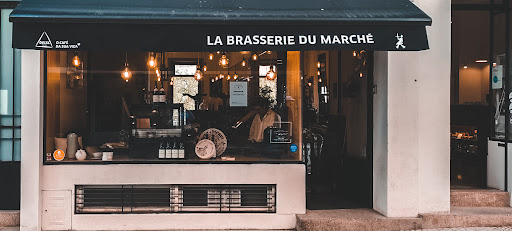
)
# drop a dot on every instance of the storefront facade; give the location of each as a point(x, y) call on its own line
point(410, 155)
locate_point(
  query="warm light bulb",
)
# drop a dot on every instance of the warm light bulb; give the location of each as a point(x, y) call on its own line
point(76, 61)
point(223, 61)
point(235, 77)
point(319, 80)
point(216, 78)
point(254, 57)
point(213, 80)
point(354, 53)
point(309, 84)
point(205, 67)
point(126, 74)
point(271, 74)
point(361, 75)
point(269, 52)
point(198, 75)
point(218, 52)
point(465, 67)
point(171, 83)
point(210, 56)
point(318, 73)
point(221, 76)
point(318, 65)
point(152, 62)
point(229, 77)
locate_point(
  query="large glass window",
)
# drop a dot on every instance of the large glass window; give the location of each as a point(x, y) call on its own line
point(173, 106)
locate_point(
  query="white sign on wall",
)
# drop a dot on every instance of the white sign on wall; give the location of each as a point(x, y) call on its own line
point(238, 94)
point(497, 77)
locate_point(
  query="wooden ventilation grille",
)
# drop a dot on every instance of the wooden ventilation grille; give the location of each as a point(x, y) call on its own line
point(175, 198)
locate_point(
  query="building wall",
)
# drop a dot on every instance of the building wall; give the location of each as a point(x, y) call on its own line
point(411, 147)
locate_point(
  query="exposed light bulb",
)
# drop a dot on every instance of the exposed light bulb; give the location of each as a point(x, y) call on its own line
point(221, 76)
point(465, 67)
point(126, 74)
point(157, 71)
point(213, 80)
point(319, 80)
point(271, 74)
point(218, 52)
point(198, 75)
point(223, 61)
point(210, 56)
point(205, 68)
point(255, 57)
point(361, 75)
point(244, 63)
point(269, 52)
point(76, 61)
point(216, 78)
point(171, 83)
point(318, 72)
point(235, 77)
point(151, 62)
point(318, 65)
point(354, 53)
point(229, 77)
point(309, 84)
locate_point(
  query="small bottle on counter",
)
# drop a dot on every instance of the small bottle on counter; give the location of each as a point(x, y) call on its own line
point(174, 148)
point(161, 150)
point(156, 93)
point(168, 149)
point(161, 94)
point(181, 150)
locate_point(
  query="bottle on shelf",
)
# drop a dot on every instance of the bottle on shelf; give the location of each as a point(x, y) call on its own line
point(162, 94)
point(181, 150)
point(174, 148)
point(156, 93)
point(161, 150)
point(168, 149)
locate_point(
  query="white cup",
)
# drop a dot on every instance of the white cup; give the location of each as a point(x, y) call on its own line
point(110, 156)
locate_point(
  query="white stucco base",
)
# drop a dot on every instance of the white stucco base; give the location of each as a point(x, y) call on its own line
point(288, 178)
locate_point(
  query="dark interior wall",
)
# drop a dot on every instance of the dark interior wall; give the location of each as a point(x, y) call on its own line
point(10, 185)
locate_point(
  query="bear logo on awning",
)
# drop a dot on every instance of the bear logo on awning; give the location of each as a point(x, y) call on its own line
point(44, 41)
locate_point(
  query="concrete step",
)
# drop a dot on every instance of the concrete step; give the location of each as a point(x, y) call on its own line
point(352, 219)
point(479, 198)
point(9, 218)
point(469, 217)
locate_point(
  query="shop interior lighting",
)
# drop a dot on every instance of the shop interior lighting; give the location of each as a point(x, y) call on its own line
point(76, 61)
point(210, 56)
point(271, 74)
point(151, 60)
point(223, 61)
point(354, 53)
point(126, 74)
point(318, 73)
point(235, 76)
point(481, 61)
point(213, 80)
point(318, 65)
point(218, 52)
point(465, 67)
point(269, 52)
point(205, 67)
point(244, 63)
point(198, 75)
point(319, 80)
point(254, 57)
point(361, 75)
point(221, 76)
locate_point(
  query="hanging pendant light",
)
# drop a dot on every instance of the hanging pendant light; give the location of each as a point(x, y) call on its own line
point(271, 74)
point(76, 61)
point(198, 75)
point(221, 76)
point(244, 63)
point(254, 57)
point(210, 56)
point(205, 67)
point(151, 60)
point(224, 61)
point(235, 76)
point(126, 74)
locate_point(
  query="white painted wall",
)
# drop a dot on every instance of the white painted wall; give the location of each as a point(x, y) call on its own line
point(289, 180)
point(434, 110)
point(31, 142)
point(411, 123)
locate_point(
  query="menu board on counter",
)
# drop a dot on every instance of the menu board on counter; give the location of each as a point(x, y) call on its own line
point(281, 133)
point(238, 94)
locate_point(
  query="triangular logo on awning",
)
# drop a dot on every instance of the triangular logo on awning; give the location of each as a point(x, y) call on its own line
point(44, 41)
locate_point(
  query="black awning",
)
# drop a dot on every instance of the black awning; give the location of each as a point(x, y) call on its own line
point(228, 25)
